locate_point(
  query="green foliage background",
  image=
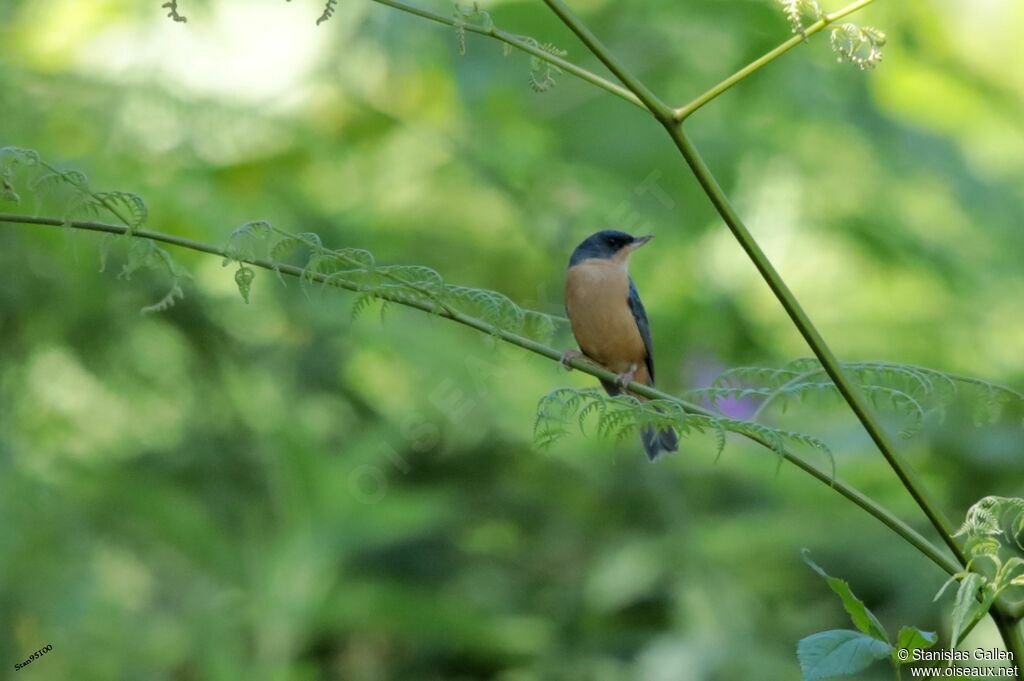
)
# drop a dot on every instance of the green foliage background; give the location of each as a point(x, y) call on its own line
point(276, 491)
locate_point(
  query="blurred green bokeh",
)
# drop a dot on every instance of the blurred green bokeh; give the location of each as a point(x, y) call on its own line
point(275, 491)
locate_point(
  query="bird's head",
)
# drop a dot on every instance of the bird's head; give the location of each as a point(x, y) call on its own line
point(610, 244)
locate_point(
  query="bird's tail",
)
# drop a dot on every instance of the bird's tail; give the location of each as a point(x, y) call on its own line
point(656, 442)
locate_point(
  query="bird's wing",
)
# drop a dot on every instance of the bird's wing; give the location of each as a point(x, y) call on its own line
point(640, 315)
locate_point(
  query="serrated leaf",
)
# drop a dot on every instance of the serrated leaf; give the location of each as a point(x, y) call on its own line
point(862, 617)
point(982, 546)
point(966, 607)
point(911, 639)
point(861, 46)
point(167, 302)
point(839, 652)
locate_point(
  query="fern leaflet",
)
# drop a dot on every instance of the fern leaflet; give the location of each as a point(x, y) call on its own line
point(622, 415)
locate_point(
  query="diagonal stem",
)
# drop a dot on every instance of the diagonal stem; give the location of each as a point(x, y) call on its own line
point(651, 102)
point(866, 503)
point(822, 351)
point(683, 112)
point(521, 43)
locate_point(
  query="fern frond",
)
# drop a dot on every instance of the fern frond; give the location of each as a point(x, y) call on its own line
point(128, 207)
point(797, 10)
point(328, 12)
point(242, 242)
point(995, 518)
point(147, 254)
point(243, 279)
point(622, 415)
point(913, 392)
point(362, 303)
point(859, 45)
point(280, 249)
point(167, 302)
point(172, 11)
point(472, 15)
point(539, 326)
point(357, 268)
point(495, 308)
point(10, 159)
point(991, 515)
point(764, 377)
point(542, 73)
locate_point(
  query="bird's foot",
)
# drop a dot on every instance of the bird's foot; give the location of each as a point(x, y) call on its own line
point(627, 377)
point(568, 356)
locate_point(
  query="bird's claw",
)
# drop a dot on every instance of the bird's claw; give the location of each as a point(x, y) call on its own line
point(568, 356)
point(626, 377)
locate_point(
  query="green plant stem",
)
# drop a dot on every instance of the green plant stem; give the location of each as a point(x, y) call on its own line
point(819, 347)
point(662, 111)
point(1010, 629)
point(671, 119)
point(850, 392)
point(875, 509)
point(683, 112)
point(520, 43)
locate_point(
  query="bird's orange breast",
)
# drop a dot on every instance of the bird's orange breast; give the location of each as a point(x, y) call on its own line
point(597, 300)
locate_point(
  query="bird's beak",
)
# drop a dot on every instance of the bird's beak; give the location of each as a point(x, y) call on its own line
point(640, 241)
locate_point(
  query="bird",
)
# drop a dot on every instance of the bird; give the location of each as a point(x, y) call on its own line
point(609, 320)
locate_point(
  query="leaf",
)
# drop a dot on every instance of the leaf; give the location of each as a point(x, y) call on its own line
point(946, 584)
point(913, 392)
point(797, 9)
point(167, 302)
point(542, 73)
point(982, 546)
point(623, 414)
point(966, 607)
point(911, 639)
point(8, 193)
point(839, 652)
point(125, 206)
point(862, 618)
point(243, 278)
point(862, 46)
point(141, 253)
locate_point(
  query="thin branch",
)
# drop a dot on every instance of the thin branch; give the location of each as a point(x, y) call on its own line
point(683, 112)
point(796, 313)
point(822, 351)
point(650, 101)
point(860, 499)
point(520, 43)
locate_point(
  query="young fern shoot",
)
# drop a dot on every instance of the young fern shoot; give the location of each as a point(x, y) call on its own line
point(45, 182)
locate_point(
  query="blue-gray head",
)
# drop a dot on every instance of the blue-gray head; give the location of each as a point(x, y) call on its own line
point(610, 244)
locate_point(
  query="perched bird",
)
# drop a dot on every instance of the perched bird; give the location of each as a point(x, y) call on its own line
point(609, 321)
